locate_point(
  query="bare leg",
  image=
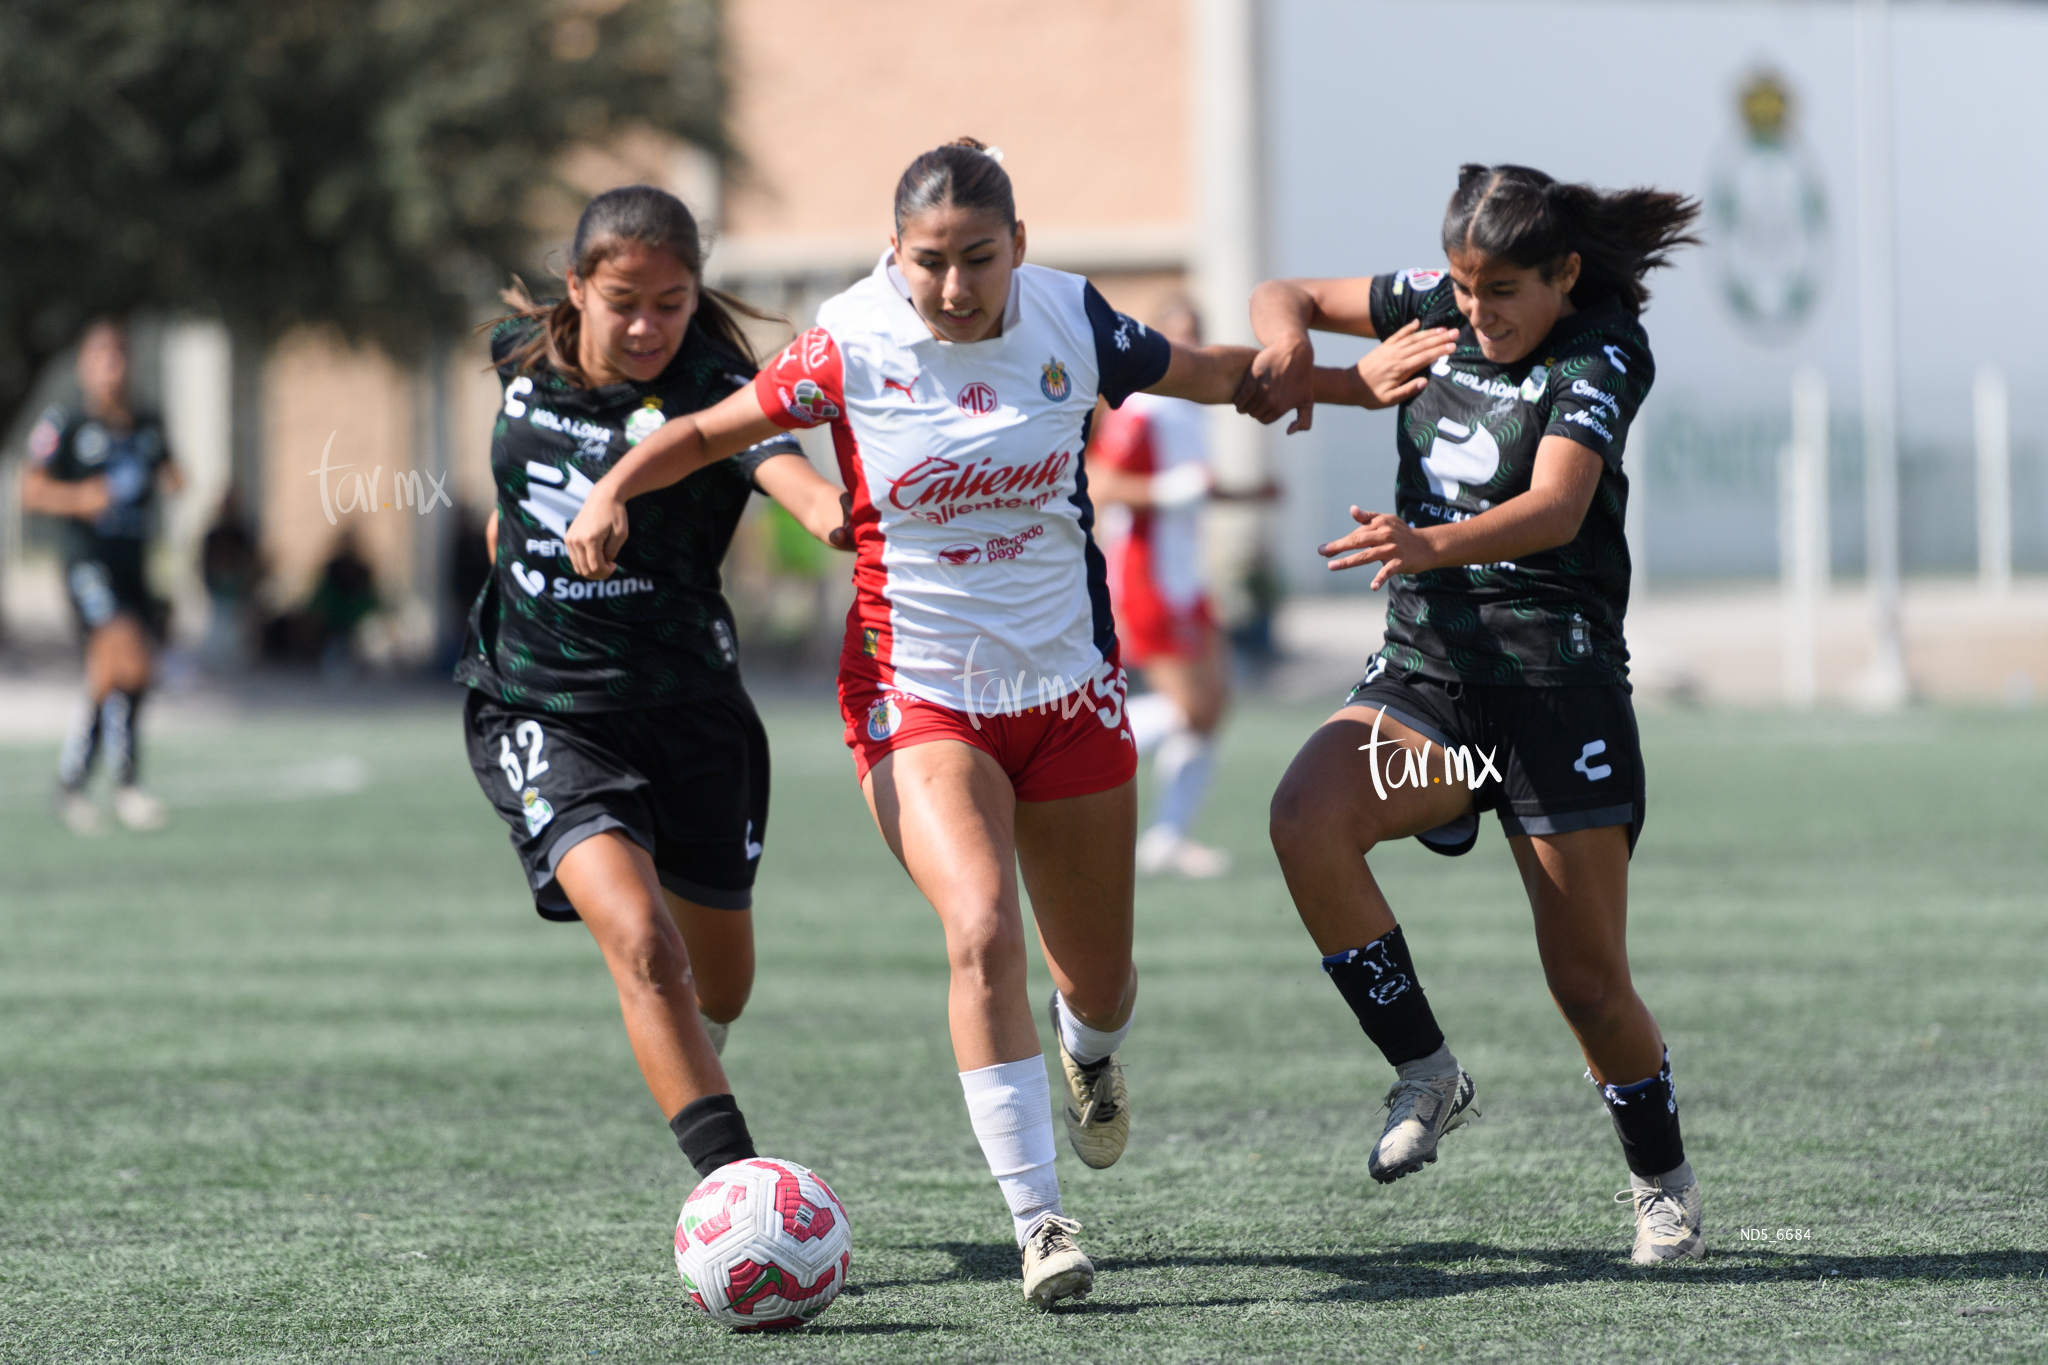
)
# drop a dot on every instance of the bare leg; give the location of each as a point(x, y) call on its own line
point(1578, 890)
point(1076, 857)
point(612, 883)
point(721, 953)
point(948, 813)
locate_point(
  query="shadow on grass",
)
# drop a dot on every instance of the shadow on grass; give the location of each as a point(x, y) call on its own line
point(1423, 1270)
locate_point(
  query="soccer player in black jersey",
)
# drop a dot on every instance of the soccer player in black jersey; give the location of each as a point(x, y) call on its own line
point(606, 721)
point(98, 471)
point(1503, 683)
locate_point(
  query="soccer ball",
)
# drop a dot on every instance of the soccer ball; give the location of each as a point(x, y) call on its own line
point(763, 1244)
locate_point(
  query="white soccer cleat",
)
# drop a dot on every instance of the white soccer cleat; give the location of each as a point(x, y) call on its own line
point(1418, 1114)
point(1668, 1223)
point(1097, 1108)
point(138, 810)
point(1165, 852)
point(1055, 1267)
point(78, 814)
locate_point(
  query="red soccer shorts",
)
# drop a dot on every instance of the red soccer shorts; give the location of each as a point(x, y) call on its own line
point(1076, 746)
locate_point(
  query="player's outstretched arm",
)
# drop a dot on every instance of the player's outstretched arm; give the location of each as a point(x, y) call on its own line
point(1548, 515)
point(1204, 374)
point(817, 503)
point(671, 454)
point(1392, 372)
point(1282, 376)
point(83, 499)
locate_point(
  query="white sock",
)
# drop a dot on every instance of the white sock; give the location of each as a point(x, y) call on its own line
point(1085, 1044)
point(1180, 779)
point(1010, 1105)
point(1153, 716)
point(1435, 1067)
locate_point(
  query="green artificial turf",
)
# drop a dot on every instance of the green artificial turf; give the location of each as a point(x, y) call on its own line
point(305, 1078)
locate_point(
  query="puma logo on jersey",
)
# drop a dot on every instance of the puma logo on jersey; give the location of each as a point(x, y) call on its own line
point(903, 388)
point(554, 508)
point(1471, 457)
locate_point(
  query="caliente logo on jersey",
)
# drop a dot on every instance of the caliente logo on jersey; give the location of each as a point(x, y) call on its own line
point(937, 489)
point(1471, 457)
point(977, 400)
point(1053, 381)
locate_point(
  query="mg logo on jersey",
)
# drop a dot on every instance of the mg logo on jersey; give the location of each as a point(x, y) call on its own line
point(977, 400)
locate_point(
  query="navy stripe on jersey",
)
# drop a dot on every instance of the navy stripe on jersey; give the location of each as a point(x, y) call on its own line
point(1098, 568)
point(1129, 356)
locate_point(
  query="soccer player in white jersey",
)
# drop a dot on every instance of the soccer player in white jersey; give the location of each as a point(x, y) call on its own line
point(1149, 467)
point(980, 681)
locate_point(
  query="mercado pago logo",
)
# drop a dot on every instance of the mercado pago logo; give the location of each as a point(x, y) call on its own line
point(1767, 215)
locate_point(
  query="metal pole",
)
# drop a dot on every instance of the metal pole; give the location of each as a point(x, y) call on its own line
point(1994, 483)
point(1884, 685)
point(1803, 535)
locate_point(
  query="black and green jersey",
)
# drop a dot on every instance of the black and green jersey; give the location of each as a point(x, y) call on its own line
point(1468, 442)
point(71, 447)
point(658, 630)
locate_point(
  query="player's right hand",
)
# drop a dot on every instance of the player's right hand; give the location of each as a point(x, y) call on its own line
point(1396, 370)
point(1280, 381)
point(595, 537)
point(91, 497)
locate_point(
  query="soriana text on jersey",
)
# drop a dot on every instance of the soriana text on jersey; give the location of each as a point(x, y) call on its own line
point(971, 519)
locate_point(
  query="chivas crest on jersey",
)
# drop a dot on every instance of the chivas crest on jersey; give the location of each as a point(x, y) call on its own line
point(1053, 381)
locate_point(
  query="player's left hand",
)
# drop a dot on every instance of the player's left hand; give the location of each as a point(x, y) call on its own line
point(596, 536)
point(840, 537)
point(1382, 539)
point(1397, 369)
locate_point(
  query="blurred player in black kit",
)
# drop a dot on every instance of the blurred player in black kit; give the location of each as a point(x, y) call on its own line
point(99, 471)
point(1503, 683)
point(606, 720)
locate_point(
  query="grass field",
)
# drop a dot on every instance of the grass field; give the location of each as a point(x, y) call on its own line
point(304, 1078)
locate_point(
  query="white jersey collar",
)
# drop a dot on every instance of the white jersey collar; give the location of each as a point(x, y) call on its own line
point(908, 329)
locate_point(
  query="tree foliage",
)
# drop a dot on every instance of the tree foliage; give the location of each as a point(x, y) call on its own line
point(366, 163)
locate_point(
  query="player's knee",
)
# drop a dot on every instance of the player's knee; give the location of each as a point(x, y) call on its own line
point(722, 1003)
point(1304, 823)
point(649, 960)
point(1590, 999)
point(987, 953)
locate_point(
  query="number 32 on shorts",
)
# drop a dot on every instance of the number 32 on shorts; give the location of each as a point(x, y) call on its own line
point(529, 737)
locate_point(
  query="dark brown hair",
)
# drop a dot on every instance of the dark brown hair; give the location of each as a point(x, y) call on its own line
point(965, 173)
point(1521, 215)
point(635, 213)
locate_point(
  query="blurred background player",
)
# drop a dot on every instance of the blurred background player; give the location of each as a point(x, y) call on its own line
point(99, 471)
point(606, 721)
point(1508, 577)
point(979, 680)
point(1149, 468)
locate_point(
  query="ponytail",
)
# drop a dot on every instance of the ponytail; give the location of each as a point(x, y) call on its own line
point(1526, 217)
point(636, 213)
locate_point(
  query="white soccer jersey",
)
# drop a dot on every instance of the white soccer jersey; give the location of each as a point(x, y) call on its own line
point(1153, 435)
point(977, 584)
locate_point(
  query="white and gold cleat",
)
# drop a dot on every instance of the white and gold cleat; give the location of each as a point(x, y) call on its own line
point(1055, 1267)
point(138, 810)
point(1097, 1107)
point(1668, 1222)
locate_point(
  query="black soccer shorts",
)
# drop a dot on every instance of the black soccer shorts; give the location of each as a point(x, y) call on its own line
point(110, 583)
point(1549, 760)
point(688, 782)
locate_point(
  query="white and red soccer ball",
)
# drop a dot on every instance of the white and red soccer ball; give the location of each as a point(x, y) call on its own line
point(763, 1244)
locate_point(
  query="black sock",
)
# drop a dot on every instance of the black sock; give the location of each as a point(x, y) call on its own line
point(1379, 982)
point(118, 715)
point(712, 1133)
point(1646, 1119)
point(81, 746)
